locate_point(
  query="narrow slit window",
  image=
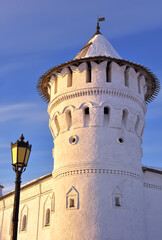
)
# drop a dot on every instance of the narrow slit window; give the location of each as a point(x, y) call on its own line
point(106, 116)
point(69, 80)
point(86, 117)
point(88, 79)
point(108, 78)
point(126, 77)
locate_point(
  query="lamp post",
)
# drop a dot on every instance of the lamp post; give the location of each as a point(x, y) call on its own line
point(20, 151)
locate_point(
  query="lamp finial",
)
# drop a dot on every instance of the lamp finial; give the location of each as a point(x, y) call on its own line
point(21, 138)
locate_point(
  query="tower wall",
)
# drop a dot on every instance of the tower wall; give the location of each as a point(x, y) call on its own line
point(97, 121)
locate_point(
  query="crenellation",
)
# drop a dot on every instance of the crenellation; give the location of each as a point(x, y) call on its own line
point(64, 79)
point(98, 73)
point(53, 86)
point(143, 85)
point(132, 79)
point(117, 75)
point(80, 75)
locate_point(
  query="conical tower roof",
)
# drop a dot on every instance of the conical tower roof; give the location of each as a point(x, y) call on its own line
point(98, 45)
point(99, 49)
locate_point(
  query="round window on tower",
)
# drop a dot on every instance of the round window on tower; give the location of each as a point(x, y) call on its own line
point(121, 140)
point(73, 139)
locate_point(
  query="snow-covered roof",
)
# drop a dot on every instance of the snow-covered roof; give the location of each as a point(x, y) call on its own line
point(98, 45)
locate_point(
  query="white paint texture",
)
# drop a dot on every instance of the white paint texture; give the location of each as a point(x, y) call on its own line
point(98, 190)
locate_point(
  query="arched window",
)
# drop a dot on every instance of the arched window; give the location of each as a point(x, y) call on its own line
point(47, 217)
point(86, 116)
point(69, 119)
point(106, 115)
point(24, 222)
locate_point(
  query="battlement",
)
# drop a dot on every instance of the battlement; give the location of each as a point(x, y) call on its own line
point(106, 74)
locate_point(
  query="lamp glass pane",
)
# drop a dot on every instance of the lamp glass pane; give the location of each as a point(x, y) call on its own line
point(14, 155)
point(21, 155)
point(27, 156)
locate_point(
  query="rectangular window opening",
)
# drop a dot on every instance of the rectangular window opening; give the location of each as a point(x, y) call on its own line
point(117, 202)
point(71, 202)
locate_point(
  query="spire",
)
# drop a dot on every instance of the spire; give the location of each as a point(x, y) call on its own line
point(98, 45)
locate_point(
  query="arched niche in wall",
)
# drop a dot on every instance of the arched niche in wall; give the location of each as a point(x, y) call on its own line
point(106, 111)
point(86, 113)
point(24, 219)
point(47, 212)
point(68, 113)
point(72, 199)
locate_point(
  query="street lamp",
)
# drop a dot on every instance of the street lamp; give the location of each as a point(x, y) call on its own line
point(20, 151)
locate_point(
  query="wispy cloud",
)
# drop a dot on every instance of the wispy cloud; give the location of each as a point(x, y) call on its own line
point(23, 111)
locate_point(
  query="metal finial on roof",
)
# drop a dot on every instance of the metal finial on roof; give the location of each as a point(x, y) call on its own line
point(98, 27)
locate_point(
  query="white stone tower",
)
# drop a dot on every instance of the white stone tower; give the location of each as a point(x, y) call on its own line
point(97, 106)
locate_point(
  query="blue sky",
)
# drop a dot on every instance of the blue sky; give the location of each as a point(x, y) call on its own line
point(37, 35)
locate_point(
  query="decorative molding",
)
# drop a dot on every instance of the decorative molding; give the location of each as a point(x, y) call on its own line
point(95, 171)
point(96, 91)
point(150, 185)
